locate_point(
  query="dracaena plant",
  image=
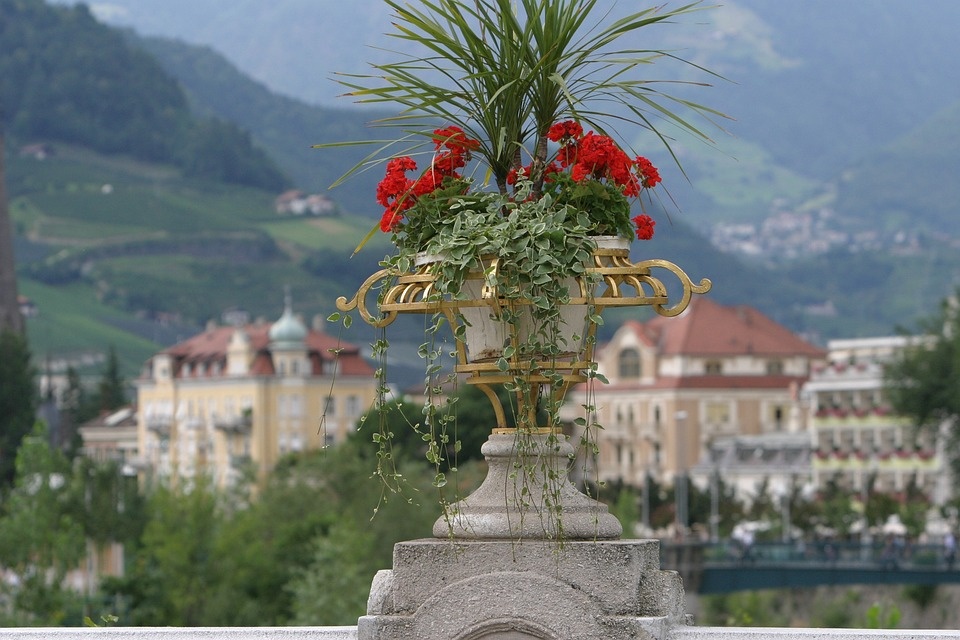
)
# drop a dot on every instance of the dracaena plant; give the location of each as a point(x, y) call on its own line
point(498, 76)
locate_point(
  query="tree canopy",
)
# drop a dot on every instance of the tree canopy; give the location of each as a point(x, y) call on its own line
point(923, 382)
point(18, 399)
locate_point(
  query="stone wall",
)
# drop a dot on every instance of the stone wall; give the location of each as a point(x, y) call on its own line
point(350, 633)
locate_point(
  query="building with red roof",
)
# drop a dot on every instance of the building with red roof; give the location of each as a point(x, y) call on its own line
point(235, 397)
point(676, 384)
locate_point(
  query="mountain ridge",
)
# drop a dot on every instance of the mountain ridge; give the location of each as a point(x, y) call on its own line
point(870, 292)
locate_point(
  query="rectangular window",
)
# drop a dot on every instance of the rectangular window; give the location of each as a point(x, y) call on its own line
point(718, 413)
point(778, 415)
point(353, 406)
point(330, 407)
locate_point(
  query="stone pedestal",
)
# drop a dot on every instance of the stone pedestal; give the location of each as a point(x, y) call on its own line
point(526, 556)
point(527, 494)
point(473, 590)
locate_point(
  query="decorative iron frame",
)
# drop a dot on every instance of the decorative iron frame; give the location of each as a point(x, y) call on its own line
point(611, 281)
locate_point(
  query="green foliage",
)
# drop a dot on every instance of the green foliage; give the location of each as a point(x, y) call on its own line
point(221, 151)
point(836, 508)
point(67, 77)
point(506, 73)
point(110, 506)
point(106, 620)
point(41, 538)
point(922, 161)
point(878, 617)
point(278, 124)
point(18, 399)
point(746, 609)
point(332, 590)
point(626, 510)
point(111, 391)
point(207, 558)
point(835, 612)
point(922, 595)
point(921, 381)
point(175, 572)
point(880, 506)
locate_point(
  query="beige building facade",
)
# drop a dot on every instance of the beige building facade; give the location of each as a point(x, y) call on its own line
point(234, 399)
point(676, 384)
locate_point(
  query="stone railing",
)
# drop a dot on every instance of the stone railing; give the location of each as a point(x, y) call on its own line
point(350, 633)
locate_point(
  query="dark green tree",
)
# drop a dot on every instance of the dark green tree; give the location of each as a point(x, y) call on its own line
point(923, 381)
point(109, 504)
point(175, 572)
point(78, 404)
point(18, 400)
point(111, 391)
point(333, 589)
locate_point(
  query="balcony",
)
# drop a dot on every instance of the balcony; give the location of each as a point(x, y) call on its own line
point(856, 418)
point(160, 425)
point(240, 461)
point(235, 424)
point(840, 459)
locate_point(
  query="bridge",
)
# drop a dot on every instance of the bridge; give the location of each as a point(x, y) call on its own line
point(725, 567)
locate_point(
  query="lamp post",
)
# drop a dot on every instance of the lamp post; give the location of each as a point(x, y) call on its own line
point(715, 505)
point(781, 492)
point(681, 481)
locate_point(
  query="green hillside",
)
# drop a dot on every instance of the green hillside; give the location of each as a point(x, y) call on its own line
point(910, 184)
point(66, 77)
point(122, 250)
point(285, 127)
point(125, 248)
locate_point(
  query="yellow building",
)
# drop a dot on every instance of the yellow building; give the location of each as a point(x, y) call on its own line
point(238, 398)
point(856, 438)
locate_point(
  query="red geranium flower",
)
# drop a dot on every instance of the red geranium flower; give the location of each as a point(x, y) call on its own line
point(565, 131)
point(645, 225)
point(454, 139)
point(648, 173)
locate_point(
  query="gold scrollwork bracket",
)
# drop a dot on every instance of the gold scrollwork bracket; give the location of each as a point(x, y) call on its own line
point(689, 288)
point(414, 292)
point(359, 300)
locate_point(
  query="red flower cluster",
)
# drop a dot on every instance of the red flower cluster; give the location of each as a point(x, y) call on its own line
point(645, 225)
point(649, 176)
point(566, 131)
point(597, 157)
point(397, 193)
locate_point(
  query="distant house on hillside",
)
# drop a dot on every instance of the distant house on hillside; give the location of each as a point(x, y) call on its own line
point(38, 151)
point(27, 307)
point(298, 203)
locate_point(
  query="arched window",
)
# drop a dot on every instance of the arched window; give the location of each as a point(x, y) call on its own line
point(629, 363)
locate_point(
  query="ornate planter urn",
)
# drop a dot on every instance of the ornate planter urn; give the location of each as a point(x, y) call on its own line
point(527, 474)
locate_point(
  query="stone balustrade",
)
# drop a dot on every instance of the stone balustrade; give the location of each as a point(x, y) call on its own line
point(350, 633)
